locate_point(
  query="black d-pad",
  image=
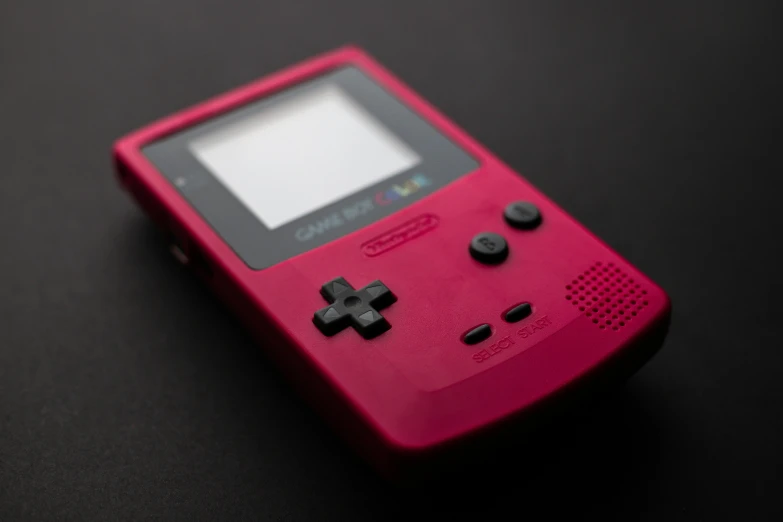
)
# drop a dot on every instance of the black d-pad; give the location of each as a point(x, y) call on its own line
point(357, 308)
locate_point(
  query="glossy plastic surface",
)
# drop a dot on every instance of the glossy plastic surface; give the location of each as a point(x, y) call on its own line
point(417, 388)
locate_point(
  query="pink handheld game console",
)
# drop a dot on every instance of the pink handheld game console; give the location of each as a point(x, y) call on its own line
point(416, 289)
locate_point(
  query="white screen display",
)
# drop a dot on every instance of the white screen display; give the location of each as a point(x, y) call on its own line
point(302, 154)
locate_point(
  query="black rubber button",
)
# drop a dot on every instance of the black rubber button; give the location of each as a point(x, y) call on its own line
point(518, 312)
point(477, 334)
point(357, 308)
point(522, 215)
point(489, 248)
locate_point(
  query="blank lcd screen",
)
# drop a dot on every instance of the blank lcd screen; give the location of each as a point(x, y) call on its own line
point(302, 154)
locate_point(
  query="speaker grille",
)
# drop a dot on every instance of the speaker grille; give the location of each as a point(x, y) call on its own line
point(607, 295)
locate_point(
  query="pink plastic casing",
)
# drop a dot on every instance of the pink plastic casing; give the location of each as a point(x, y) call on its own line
point(416, 390)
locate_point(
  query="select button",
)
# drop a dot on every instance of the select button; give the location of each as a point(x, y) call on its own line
point(477, 334)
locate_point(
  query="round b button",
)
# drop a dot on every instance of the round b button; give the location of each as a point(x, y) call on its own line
point(522, 215)
point(489, 248)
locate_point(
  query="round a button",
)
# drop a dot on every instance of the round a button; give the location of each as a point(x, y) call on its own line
point(489, 248)
point(523, 215)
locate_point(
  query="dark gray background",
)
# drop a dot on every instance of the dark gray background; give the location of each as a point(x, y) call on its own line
point(127, 392)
